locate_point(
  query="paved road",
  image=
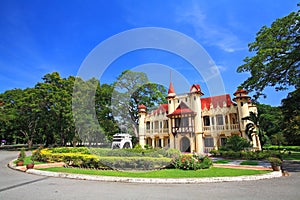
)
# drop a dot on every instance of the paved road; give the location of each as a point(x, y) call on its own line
point(18, 185)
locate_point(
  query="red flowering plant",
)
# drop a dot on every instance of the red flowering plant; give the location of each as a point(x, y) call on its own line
point(191, 162)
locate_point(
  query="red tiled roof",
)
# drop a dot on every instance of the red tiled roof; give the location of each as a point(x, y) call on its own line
point(142, 106)
point(182, 109)
point(240, 91)
point(163, 108)
point(216, 100)
point(198, 89)
point(197, 86)
point(171, 89)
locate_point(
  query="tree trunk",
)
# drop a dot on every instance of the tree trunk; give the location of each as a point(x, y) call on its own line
point(29, 143)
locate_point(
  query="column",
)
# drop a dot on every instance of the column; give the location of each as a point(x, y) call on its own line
point(211, 118)
point(215, 143)
point(215, 122)
point(153, 142)
point(199, 143)
point(224, 122)
point(228, 118)
point(162, 142)
point(254, 140)
point(192, 144)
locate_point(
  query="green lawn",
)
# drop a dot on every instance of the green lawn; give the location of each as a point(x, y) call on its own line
point(249, 162)
point(167, 173)
point(294, 156)
point(222, 161)
point(28, 160)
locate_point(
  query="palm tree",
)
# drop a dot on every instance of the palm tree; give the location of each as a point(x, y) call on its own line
point(253, 127)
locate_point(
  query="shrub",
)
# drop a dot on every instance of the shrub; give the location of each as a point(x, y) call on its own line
point(137, 163)
point(231, 154)
point(109, 161)
point(237, 143)
point(191, 162)
point(83, 150)
point(136, 152)
point(22, 155)
point(275, 161)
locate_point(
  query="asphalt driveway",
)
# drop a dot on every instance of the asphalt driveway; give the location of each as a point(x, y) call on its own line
point(19, 185)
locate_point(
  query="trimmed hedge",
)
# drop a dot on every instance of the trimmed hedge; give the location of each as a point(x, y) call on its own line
point(136, 152)
point(247, 155)
point(281, 148)
point(136, 163)
point(83, 150)
point(80, 158)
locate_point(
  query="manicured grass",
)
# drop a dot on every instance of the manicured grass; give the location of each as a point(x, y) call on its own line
point(28, 160)
point(249, 162)
point(167, 173)
point(222, 161)
point(294, 156)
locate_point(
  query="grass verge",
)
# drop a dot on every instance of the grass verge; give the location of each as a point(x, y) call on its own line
point(249, 162)
point(166, 173)
point(222, 161)
point(28, 160)
point(293, 156)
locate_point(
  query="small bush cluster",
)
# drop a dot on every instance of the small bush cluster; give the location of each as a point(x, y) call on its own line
point(191, 162)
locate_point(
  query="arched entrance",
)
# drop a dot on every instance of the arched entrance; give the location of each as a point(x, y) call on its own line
point(185, 145)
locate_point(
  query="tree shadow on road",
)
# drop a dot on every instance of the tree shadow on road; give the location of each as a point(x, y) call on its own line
point(291, 166)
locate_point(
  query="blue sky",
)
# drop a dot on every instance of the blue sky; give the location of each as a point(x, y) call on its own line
point(40, 37)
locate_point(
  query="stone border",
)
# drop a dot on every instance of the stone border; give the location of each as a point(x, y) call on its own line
point(155, 180)
point(145, 180)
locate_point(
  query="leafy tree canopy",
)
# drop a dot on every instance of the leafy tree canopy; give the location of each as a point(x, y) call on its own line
point(276, 60)
point(130, 90)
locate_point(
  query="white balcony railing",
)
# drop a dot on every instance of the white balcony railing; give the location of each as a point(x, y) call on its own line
point(234, 126)
point(221, 127)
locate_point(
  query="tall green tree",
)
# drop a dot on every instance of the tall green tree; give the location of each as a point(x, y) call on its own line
point(291, 117)
point(130, 90)
point(104, 111)
point(270, 119)
point(276, 56)
point(8, 115)
point(55, 95)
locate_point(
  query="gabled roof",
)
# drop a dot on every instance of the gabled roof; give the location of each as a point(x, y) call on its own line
point(240, 91)
point(195, 88)
point(163, 108)
point(182, 109)
point(216, 100)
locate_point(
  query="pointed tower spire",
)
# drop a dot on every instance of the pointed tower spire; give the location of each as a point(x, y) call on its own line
point(171, 91)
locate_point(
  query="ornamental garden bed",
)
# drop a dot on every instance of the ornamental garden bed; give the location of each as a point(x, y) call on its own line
point(141, 163)
point(123, 159)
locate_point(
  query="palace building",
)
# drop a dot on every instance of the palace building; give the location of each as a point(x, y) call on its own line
point(191, 123)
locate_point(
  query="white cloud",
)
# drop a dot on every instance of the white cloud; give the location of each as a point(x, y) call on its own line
point(210, 32)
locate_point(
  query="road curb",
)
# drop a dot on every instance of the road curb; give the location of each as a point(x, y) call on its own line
point(155, 180)
point(147, 180)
